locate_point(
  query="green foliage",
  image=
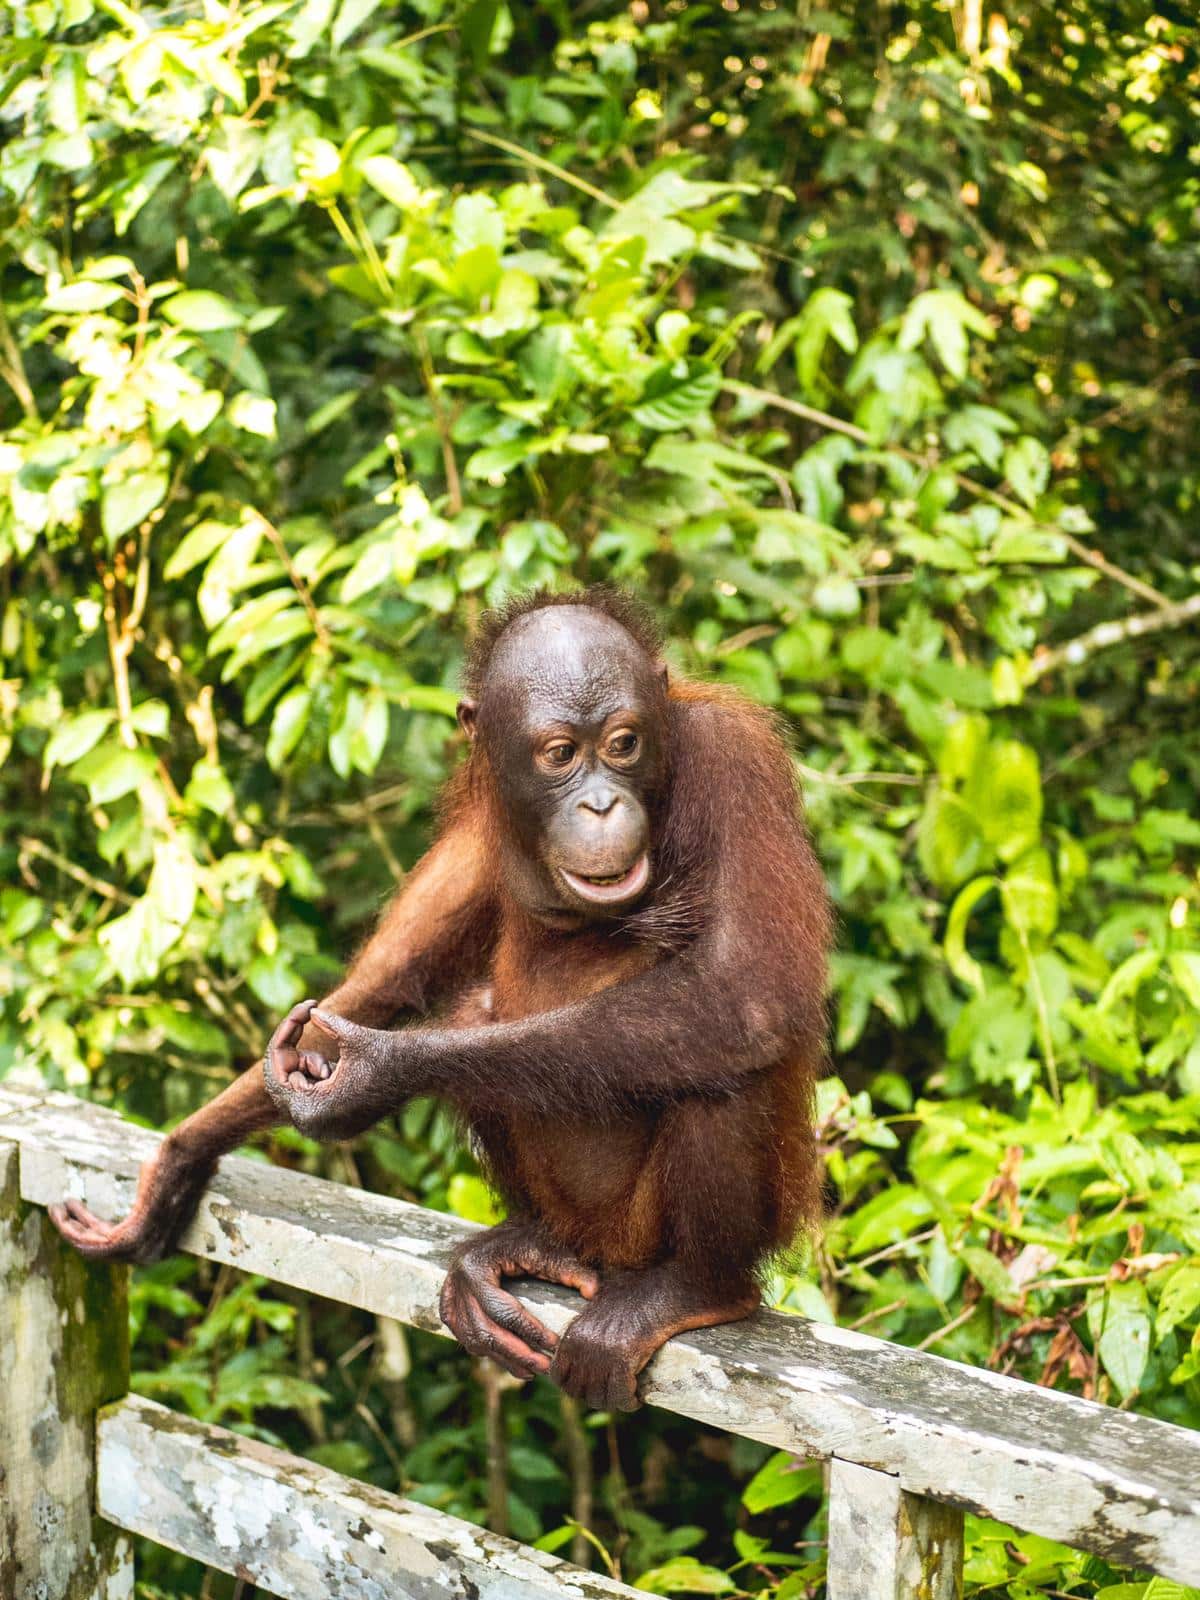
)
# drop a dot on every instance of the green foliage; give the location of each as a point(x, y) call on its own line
point(853, 338)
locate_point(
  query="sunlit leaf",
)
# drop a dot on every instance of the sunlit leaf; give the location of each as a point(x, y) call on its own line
point(201, 311)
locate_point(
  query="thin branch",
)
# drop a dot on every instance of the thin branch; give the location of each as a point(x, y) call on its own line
point(494, 1380)
point(1045, 1037)
point(141, 300)
point(543, 164)
point(121, 633)
point(888, 1251)
point(355, 811)
point(1139, 395)
point(297, 582)
point(12, 369)
point(368, 1416)
point(380, 840)
point(141, 583)
point(108, 891)
point(879, 1311)
point(941, 1333)
point(579, 1462)
point(748, 636)
point(1106, 634)
point(825, 419)
point(848, 779)
point(118, 655)
point(449, 460)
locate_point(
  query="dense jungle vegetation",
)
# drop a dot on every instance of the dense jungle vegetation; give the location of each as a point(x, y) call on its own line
point(860, 339)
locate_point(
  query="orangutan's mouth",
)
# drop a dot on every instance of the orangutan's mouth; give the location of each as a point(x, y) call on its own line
point(613, 888)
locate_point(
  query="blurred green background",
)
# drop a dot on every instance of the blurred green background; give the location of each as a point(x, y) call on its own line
point(859, 340)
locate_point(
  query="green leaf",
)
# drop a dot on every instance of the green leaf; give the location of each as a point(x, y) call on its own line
point(1167, 1589)
point(475, 221)
point(471, 1198)
point(476, 27)
point(1185, 969)
point(1180, 1298)
point(1129, 977)
point(979, 429)
point(75, 737)
point(950, 845)
point(827, 314)
point(1030, 896)
point(196, 546)
point(1120, 1323)
point(1004, 792)
point(274, 981)
point(887, 1218)
point(172, 886)
point(374, 567)
point(392, 179)
point(782, 1479)
point(151, 717)
point(947, 317)
point(838, 598)
point(128, 502)
point(370, 736)
point(288, 725)
point(556, 1539)
point(249, 619)
point(340, 757)
point(210, 789)
point(426, 697)
point(136, 942)
point(495, 462)
point(686, 1575)
point(989, 1272)
point(252, 413)
point(110, 772)
point(1027, 468)
point(671, 399)
point(201, 311)
point(962, 965)
point(83, 296)
point(280, 630)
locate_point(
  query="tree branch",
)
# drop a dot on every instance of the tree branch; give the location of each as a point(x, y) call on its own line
point(297, 582)
point(826, 419)
point(1106, 634)
point(12, 369)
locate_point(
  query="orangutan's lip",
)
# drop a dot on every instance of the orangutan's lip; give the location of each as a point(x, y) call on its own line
point(612, 890)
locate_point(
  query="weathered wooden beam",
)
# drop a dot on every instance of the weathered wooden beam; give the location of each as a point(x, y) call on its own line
point(63, 1351)
point(300, 1530)
point(885, 1544)
point(1120, 1485)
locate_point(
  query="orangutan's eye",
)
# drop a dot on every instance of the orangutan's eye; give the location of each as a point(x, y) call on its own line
point(623, 744)
point(561, 754)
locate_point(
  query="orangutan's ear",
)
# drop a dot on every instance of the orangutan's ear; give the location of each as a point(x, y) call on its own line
point(467, 712)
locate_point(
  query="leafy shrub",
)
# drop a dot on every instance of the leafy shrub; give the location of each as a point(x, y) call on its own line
point(853, 339)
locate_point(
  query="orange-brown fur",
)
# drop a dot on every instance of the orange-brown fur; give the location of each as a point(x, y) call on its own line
point(605, 1187)
point(641, 1088)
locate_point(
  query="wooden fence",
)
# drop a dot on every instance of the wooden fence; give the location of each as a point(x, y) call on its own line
point(912, 1440)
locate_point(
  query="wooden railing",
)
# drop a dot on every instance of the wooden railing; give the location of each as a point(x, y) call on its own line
point(912, 1440)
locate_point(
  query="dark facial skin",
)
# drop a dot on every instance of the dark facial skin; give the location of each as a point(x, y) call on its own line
point(572, 723)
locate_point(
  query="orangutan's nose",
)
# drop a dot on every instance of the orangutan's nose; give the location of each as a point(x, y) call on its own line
point(600, 799)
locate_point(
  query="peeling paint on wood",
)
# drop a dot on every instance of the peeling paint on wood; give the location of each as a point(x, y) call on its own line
point(885, 1544)
point(1120, 1485)
point(302, 1531)
point(63, 1352)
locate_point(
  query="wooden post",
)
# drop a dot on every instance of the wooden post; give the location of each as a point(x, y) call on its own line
point(64, 1351)
point(885, 1544)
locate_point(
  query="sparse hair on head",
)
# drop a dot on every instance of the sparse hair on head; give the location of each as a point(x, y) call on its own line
point(629, 613)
